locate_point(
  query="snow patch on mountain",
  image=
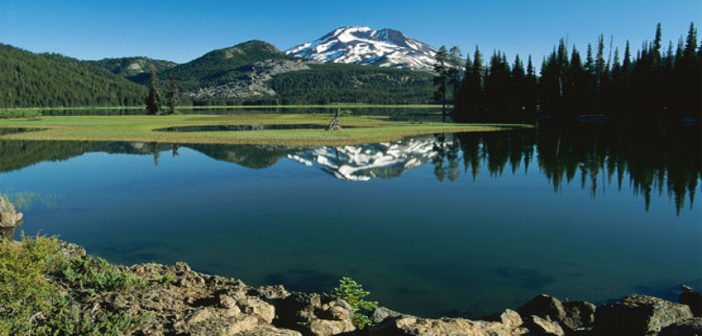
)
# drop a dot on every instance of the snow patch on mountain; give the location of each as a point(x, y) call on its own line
point(363, 45)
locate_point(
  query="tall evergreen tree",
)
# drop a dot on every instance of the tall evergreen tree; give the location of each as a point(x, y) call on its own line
point(454, 72)
point(173, 95)
point(440, 79)
point(153, 99)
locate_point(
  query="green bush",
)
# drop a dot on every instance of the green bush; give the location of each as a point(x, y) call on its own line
point(353, 293)
point(31, 303)
point(97, 275)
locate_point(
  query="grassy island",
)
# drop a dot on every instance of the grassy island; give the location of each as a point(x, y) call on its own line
point(362, 129)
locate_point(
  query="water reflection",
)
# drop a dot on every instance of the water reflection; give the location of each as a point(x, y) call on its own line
point(652, 163)
point(13, 130)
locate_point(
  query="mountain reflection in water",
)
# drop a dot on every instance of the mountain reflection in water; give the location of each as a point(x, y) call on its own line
point(653, 163)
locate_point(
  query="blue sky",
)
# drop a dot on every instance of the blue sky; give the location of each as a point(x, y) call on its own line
point(183, 30)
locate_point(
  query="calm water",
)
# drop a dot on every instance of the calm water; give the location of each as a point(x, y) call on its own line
point(444, 225)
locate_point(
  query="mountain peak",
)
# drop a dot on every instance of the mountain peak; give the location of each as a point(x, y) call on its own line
point(364, 45)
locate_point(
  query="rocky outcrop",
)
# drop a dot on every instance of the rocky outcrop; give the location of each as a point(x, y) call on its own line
point(254, 83)
point(692, 300)
point(571, 317)
point(510, 324)
point(638, 315)
point(9, 217)
point(689, 327)
point(315, 314)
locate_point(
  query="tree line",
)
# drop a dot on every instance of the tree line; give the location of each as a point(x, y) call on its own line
point(653, 85)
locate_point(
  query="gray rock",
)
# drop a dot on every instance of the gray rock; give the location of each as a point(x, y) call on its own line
point(379, 314)
point(689, 327)
point(544, 306)
point(692, 300)
point(579, 315)
point(9, 217)
point(70, 250)
point(254, 81)
point(637, 315)
point(543, 326)
point(406, 325)
point(314, 314)
point(571, 315)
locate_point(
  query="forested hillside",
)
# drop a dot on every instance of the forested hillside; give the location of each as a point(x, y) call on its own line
point(44, 80)
point(351, 83)
point(221, 65)
point(134, 68)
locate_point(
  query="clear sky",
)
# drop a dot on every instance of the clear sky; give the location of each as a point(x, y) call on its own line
point(183, 30)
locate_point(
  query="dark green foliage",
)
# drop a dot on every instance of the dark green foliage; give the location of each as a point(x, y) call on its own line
point(441, 78)
point(222, 65)
point(133, 68)
point(453, 72)
point(47, 80)
point(353, 293)
point(97, 275)
point(653, 87)
point(172, 98)
point(351, 83)
point(153, 100)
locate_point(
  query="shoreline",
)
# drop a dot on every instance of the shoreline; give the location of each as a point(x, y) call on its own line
point(157, 299)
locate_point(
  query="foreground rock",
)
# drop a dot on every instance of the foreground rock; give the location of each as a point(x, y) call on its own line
point(395, 324)
point(638, 315)
point(180, 301)
point(689, 327)
point(692, 300)
point(9, 217)
point(571, 317)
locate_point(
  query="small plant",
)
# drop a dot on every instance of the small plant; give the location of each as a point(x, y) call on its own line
point(96, 274)
point(353, 293)
point(166, 279)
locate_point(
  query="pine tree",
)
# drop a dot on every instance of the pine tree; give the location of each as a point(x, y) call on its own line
point(440, 79)
point(153, 100)
point(454, 72)
point(173, 95)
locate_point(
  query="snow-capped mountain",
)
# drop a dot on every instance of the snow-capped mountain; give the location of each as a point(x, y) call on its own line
point(363, 45)
point(365, 162)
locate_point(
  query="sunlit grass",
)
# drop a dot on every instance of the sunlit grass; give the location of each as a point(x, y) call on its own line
point(141, 128)
point(209, 107)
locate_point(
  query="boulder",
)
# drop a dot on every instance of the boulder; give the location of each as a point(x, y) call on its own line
point(570, 315)
point(378, 315)
point(543, 326)
point(692, 300)
point(544, 306)
point(637, 315)
point(689, 327)
point(407, 325)
point(314, 314)
point(579, 315)
point(9, 217)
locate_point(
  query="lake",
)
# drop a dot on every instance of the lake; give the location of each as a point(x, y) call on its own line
point(443, 225)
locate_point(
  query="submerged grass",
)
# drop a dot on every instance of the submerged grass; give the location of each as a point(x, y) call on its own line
point(142, 128)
